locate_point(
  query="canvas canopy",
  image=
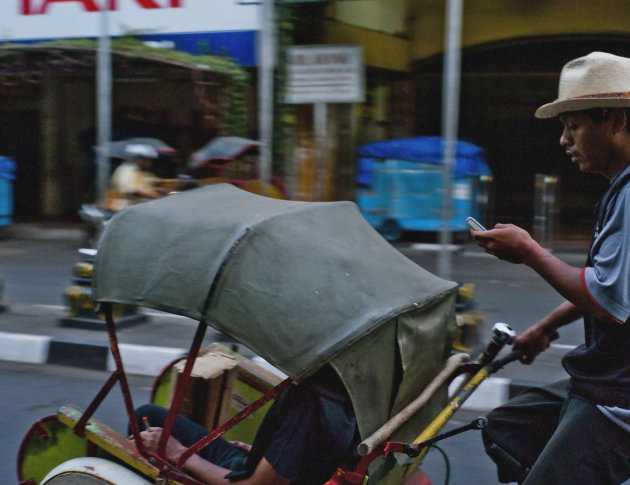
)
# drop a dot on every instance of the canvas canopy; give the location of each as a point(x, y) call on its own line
point(300, 283)
point(222, 149)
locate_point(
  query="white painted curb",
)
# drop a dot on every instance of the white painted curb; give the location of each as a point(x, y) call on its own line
point(151, 360)
point(30, 349)
point(491, 393)
point(145, 359)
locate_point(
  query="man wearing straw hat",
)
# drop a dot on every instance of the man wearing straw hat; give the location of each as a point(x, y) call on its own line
point(577, 432)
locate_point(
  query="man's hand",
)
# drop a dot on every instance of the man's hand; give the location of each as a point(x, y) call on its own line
point(532, 342)
point(505, 241)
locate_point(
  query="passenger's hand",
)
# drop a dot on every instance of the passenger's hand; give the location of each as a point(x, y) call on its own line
point(243, 446)
point(532, 342)
point(505, 241)
point(151, 438)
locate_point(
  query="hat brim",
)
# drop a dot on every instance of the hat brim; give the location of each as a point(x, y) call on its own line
point(557, 107)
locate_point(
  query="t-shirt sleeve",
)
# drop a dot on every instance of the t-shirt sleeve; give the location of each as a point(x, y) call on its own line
point(608, 279)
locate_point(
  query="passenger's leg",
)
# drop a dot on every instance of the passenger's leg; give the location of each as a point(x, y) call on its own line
point(586, 448)
point(518, 431)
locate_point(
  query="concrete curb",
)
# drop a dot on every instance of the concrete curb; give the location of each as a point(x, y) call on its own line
point(150, 360)
point(43, 232)
point(39, 349)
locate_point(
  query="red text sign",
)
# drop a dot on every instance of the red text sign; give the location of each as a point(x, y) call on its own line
point(34, 7)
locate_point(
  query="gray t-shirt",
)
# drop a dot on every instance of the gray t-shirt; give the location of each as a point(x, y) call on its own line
point(608, 280)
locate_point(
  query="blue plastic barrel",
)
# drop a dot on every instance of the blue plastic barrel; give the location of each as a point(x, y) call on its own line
point(7, 175)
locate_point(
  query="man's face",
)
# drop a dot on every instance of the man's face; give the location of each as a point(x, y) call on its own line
point(144, 163)
point(589, 144)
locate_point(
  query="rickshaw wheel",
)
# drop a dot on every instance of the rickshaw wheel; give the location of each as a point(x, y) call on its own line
point(92, 471)
point(391, 230)
point(46, 444)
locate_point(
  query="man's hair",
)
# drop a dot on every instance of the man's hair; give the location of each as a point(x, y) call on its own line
point(599, 115)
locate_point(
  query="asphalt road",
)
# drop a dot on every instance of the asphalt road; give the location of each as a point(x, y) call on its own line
point(36, 272)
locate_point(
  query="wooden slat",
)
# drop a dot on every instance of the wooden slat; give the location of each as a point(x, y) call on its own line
point(249, 371)
point(110, 441)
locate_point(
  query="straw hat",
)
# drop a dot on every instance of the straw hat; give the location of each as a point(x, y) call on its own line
point(598, 80)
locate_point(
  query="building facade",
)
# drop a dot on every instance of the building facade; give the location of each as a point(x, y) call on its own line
point(512, 53)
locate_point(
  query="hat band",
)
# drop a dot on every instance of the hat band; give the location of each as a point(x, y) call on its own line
point(624, 94)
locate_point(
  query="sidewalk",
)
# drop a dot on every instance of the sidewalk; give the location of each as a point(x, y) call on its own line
point(34, 333)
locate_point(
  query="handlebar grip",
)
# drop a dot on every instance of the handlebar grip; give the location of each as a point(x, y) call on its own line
point(502, 335)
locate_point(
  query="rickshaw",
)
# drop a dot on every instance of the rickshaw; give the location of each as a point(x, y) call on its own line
point(233, 160)
point(301, 284)
point(399, 185)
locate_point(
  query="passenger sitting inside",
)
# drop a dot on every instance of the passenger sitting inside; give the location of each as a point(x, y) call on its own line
point(133, 181)
point(309, 432)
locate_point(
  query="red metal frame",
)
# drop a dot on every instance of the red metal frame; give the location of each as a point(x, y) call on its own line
point(167, 470)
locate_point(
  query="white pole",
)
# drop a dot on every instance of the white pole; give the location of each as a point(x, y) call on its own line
point(320, 116)
point(103, 106)
point(266, 62)
point(450, 119)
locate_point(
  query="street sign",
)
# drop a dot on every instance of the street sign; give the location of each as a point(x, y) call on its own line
point(325, 74)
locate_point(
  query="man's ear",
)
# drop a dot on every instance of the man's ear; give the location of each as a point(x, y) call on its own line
point(619, 117)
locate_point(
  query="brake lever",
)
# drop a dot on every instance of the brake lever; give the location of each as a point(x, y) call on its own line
point(414, 450)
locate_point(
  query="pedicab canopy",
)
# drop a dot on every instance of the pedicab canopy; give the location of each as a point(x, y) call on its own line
point(302, 284)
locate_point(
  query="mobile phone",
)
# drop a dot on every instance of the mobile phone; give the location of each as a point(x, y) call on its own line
point(474, 224)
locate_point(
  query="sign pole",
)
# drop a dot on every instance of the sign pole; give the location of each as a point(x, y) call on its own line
point(450, 118)
point(320, 75)
point(103, 106)
point(266, 63)
point(321, 149)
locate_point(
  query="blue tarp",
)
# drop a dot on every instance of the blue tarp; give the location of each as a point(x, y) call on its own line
point(469, 160)
point(7, 168)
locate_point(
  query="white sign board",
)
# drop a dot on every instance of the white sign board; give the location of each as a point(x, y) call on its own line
point(325, 74)
point(58, 19)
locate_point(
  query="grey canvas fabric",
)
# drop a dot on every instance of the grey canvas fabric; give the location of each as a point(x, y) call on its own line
point(300, 283)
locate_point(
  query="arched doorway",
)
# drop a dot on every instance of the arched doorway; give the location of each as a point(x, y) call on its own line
point(502, 84)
